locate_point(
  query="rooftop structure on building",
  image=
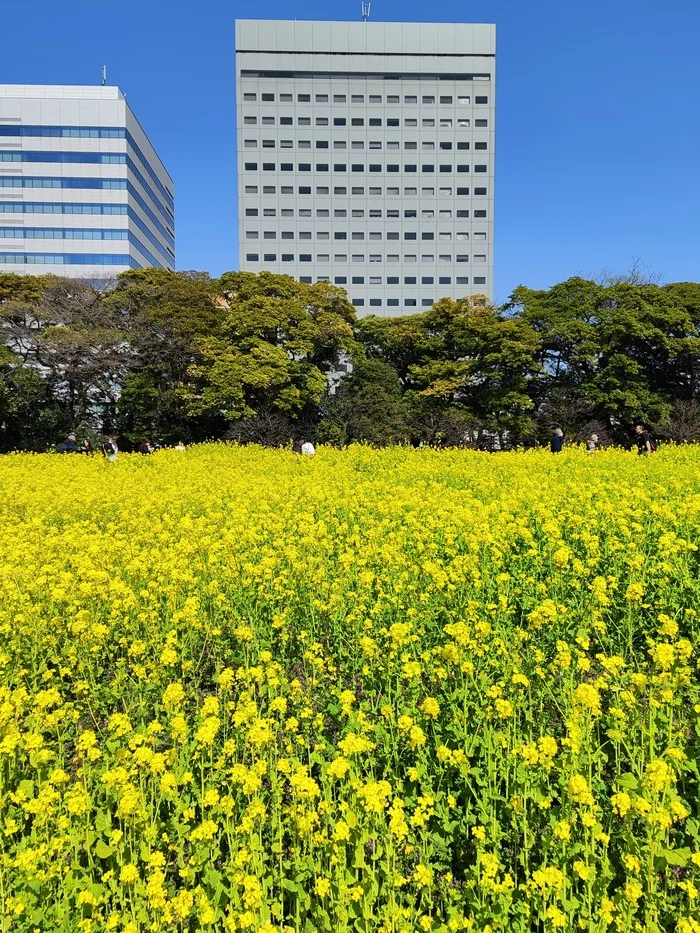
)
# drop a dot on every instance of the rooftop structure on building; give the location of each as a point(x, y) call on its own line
point(82, 191)
point(366, 157)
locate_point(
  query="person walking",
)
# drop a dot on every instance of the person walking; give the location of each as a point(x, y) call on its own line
point(109, 448)
point(557, 442)
point(69, 446)
point(592, 444)
point(645, 445)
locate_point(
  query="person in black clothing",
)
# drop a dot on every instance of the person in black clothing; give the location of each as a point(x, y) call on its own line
point(69, 446)
point(557, 442)
point(645, 445)
point(87, 448)
point(146, 447)
point(109, 448)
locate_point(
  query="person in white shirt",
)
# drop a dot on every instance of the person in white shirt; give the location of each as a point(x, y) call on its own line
point(307, 448)
point(180, 446)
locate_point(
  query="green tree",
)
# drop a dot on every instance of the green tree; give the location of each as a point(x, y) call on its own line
point(367, 406)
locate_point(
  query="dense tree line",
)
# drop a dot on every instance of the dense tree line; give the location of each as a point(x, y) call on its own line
point(264, 358)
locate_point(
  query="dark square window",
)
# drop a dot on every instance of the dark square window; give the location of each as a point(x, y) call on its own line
point(251, 257)
point(358, 280)
point(481, 124)
point(428, 168)
point(341, 280)
point(251, 166)
point(392, 122)
point(357, 191)
point(392, 280)
point(270, 257)
point(409, 280)
point(427, 280)
point(322, 144)
point(445, 280)
point(304, 98)
point(481, 168)
point(480, 214)
point(285, 121)
point(357, 121)
point(358, 302)
point(427, 236)
point(479, 280)
point(445, 100)
point(339, 167)
point(392, 168)
point(339, 235)
point(358, 167)
point(445, 168)
point(462, 213)
point(462, 145)
point(462, 191)
point(339, 121)
point(375, 302)
point(480, 191)
point(462, 168)
point(304, 167)
point(304, 257)
point(410, 236)
point(285, 167)
point(481, 100)
point(340, 191)
point(410, 303)
point(251, 212)
point(375, 121)
point(321, 166)
point(268, 97)
point(481, 145)
point(305, 189)
point(445, 145)
point(287, 257)
point(392, 302)
point(375, 168)
point(410, 168)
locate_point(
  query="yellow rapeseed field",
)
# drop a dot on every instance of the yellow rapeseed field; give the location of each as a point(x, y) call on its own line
point(370, 691)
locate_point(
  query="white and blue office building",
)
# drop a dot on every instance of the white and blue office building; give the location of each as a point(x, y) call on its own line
point(83, 192)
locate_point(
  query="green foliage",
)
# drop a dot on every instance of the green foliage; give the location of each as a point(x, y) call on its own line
point(180, 355)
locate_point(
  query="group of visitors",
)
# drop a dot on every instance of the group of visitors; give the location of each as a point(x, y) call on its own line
point(109, 447)
point(645, 445)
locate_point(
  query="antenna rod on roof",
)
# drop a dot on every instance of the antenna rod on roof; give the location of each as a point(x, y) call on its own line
point(104, 75)
point(365, 10)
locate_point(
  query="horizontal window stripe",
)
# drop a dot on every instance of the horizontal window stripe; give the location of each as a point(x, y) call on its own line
point(61, 233)
point(49, 207)
point(90, 132)
point(389, 75)
point(69, 259)
point(89, 158)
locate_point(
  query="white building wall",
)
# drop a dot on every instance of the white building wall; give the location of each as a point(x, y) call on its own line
point(149, 229)
point(366, 157)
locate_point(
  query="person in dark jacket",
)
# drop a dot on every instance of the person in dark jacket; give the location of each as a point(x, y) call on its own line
point(69, 446)
point(557, 442)
point(87, 448)
point(146, 447)
point(645, 445)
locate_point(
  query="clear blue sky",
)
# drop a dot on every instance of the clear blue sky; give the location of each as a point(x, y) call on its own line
point(597, 142)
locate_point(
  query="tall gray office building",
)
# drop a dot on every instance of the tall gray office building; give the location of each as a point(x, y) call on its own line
point(365, 157)
point(82, 191)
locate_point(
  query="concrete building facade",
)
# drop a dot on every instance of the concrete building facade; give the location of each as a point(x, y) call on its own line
point(366, 157)
point(82, 191)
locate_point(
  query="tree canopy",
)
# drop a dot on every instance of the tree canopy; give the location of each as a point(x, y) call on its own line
point(261, 357)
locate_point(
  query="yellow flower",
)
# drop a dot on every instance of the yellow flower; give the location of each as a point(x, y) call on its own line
point(323, 886)
point(430, 708)
point(128, 874)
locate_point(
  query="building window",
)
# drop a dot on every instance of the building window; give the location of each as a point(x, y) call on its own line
point(340, 212)
point(427, 236)
point(479, 280)
point(268, 98)
point(462, 191)
point(481, 168)
point(481, 145)
point(304, 257)
point(306, 279)
point(409, 303)
point(251, 234)
point(251, 257)
point(287, 235)
point(250, 97)
point(481, 124)
point(479, 191)
point(427, 280)
point(445, 257)
point(463, 100)
point(322, 144)
point(445, 168)
point(462, 280)
point(340, 235)
point(358, 302)
point(392, 302)
point(323, 235)
point(341, 280)
point(250, 143)
point(304, 98)
point(270, 257)
point(250, 121)
point(323, 257)
point(357, 280)
point(337, 121)
point(357, 121)
point(463, 124)
point(358, 167)
point(340, 257)
point(445, 280)
point(269, 212)
point(251, 166)
point(269, 189)
point(428, 168)
point(480, 214)
point(287, 257)
point(322, 189)
point(445, 213)
point(304, 234)
point(479, 236)
point(304, 166)
point(286, 143)
point(304, 144)
point(251, 212)
point(462, 213)
point(358, 257)
point(392, 99)
point(269, 234)
point(323, 212)
point(428, 122)
point(481, 100)
point(251, 189)
point(462, 257)
point(426, 302)
point(375, 121)
point(268, 121)
point(445, 123)
point(304, 189)
point(322, 98)
point(303, 121)
point(479, 257)
point(375, 98)
point(286, 121)
point(358, 213)
point(358, 235)
point(339, 98)
point(322, 167)
point(445, 100)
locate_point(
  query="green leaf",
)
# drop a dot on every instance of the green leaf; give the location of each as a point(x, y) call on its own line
point(103, 822)
point(27, 787)
point(677, 857)
point(628, 781)
point(102, 850)
point(288, 885)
